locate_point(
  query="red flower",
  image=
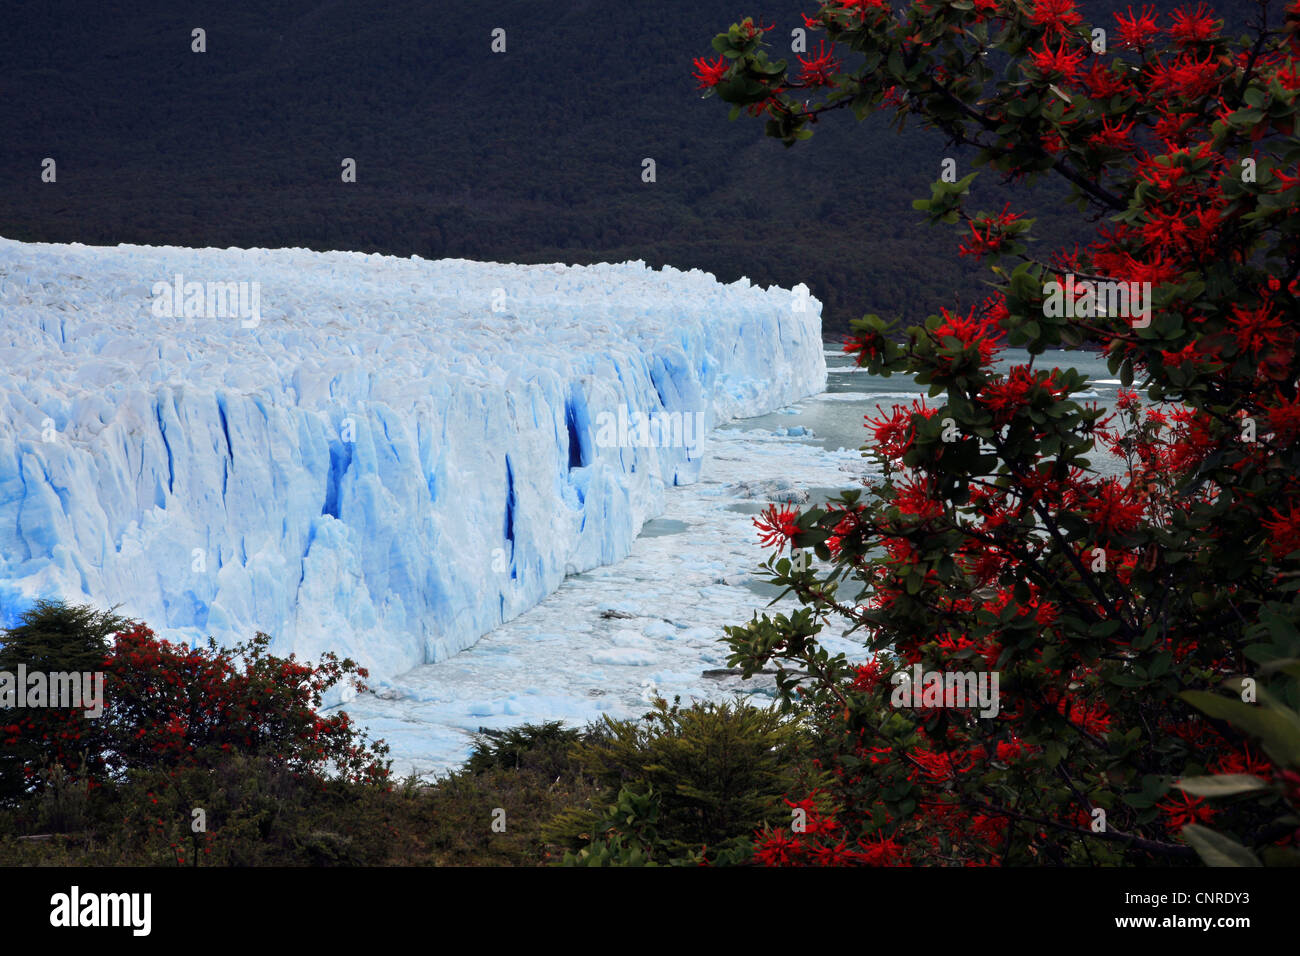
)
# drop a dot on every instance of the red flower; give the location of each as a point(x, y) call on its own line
point(1284, 419)
point(939, 767)
point(1189, 354)
point(1113, 509)
point(1183, 809)
point(1055, 16)
point(987, 829)
point(1283, 531)
point(1164, 176)
point(777, 527)
point(1137, 30)
point(880, 851)
point(1158, 270)
point(913, 499)
point(981, 243)
point(779, 850)
point(991, 238)
point(1175, 126)
point(1187, 77)
point(1112, 137)
point(869, 674)
point(892, 432)
point(863, 7)
point(852, 345)
point(995, 308)
point(1243, 761)
point(1103, 82)
point(970, 331)
point(838, 855)
point(1048, 61)
point(1161, 227)
point(710, 74)
point(1289, 75)
point(1260, 329)
point(752, 31)
point(1009, 750)
point(819, 70)
point(1193, 26)
point(771, 105)
point(1089, 717)
point(1004, 396)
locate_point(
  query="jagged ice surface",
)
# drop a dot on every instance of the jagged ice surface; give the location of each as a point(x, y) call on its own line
point(199, 474)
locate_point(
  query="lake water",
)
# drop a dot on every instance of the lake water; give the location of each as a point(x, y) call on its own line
point(836, 416)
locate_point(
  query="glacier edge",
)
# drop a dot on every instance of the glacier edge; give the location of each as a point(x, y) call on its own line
point(397, 457)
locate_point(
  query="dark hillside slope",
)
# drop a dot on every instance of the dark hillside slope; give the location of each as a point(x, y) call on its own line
point(534, 155)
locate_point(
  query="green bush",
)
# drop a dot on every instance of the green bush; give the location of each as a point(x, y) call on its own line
point(541, 747)
point(687, 783)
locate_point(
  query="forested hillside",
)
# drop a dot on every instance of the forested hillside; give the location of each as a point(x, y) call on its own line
point(532, 155)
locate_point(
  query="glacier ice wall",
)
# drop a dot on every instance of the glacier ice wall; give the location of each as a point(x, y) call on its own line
point(389, 459)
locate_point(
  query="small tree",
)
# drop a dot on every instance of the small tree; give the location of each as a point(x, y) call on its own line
point(34, 742)
point(1114, 610)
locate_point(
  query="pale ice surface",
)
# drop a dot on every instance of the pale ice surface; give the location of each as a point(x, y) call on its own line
point(396, 457)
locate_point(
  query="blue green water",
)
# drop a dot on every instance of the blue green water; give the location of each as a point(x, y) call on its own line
point(836, 417)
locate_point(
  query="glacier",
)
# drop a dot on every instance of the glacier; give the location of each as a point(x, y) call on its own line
point(386, 457)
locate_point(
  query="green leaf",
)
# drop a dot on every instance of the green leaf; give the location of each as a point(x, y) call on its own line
point(1221, 784)
point(1278, 732)
point(1215, 849)
point(1054, 752)
point(1138, 800)
point(1287, 665)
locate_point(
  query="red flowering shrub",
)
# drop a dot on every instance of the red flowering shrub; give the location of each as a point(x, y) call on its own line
point(170, 708)
point(1106, 614)
point(170, 705)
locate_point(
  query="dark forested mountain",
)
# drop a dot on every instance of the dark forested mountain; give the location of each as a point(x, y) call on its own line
point(532, 155)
